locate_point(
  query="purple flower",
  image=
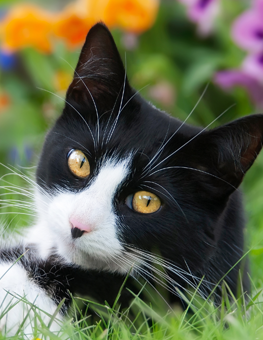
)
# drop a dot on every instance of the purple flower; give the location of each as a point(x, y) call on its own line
point(247, 30)
point(129, 41)
point(21, 158)
point(253, 65)
point(258, 5)
point(203, 13)
point(187, 2)
point(231, 78)
point(200, 8)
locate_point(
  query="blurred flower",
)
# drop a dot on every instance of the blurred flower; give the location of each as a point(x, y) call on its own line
point(132, 15)
point(49, 111)
point(29, 153)
point(26, 25)
point(187, 2)
point(163, 92)
point(21, 157)
point(258, 5)
point(231, 78)
point(203, 13)
point(73, 24)
point(5, 101)
point(129, 41)
point(247, 30)
point(253, 65)
point(62, 80)
point(7, 60)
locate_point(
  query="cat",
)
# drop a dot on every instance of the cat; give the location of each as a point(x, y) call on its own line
point(122, 187)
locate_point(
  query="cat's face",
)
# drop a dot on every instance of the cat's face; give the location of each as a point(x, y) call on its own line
point(117, 174)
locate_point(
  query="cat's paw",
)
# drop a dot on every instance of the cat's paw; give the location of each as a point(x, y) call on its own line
point(24, 306)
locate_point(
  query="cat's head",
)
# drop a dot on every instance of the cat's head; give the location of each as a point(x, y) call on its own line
point(121, 178)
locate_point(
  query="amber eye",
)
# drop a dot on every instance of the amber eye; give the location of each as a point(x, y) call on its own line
point(144, 202)
point(78, 164)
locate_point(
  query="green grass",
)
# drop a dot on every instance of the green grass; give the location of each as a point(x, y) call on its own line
point(231, 320)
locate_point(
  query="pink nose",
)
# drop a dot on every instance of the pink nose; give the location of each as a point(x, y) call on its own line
point(78, 228)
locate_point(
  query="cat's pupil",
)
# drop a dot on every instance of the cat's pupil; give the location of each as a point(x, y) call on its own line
point(82, 162)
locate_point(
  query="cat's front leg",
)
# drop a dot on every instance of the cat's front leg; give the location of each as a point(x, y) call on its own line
point(23, 304)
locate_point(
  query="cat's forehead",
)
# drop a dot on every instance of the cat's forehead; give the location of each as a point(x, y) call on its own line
point(138, 126)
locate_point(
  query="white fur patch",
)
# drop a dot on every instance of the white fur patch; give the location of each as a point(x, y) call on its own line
point(99, 248)
point(17, 293)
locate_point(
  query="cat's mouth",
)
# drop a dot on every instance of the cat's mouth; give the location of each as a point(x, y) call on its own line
point(98, 261)
point(94, 248)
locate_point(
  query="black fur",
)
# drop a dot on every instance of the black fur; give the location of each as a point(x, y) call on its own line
point(200, 225)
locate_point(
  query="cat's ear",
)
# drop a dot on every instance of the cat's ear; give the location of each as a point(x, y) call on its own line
point(99, 77)
point(229, 151)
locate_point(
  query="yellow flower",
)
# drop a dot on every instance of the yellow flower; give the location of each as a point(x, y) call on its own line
point(62, 80)
point(73, 24)
point(26, 25)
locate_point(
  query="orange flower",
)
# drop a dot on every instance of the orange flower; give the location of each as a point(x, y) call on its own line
point(26, 25)
point(5, 101)
point(132, 15)
point(136, 15)
point(73, 24)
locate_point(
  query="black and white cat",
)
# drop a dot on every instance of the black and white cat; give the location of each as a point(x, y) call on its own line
point(121, 187)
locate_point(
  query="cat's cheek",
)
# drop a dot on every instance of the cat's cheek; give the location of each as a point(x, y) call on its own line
point(91, 211)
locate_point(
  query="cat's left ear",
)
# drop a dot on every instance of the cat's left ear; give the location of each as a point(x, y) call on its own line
point(227, 152)
point(100, 76)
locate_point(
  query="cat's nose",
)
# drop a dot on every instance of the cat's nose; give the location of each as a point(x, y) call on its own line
point(79, 228)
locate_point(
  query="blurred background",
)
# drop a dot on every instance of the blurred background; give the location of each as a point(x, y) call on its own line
point(174, 49)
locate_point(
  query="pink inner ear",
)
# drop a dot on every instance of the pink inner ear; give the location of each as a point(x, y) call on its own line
point(79, 225)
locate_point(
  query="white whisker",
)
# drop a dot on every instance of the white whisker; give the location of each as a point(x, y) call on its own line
point(178, 129)
point(119, 112)
point(80, 115)
point(191, 139)
point(194, 169)
point(73, 140)
point(170, 197)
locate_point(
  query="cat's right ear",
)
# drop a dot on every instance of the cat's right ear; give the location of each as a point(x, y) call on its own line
point(223, 155)
point(100, 76)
